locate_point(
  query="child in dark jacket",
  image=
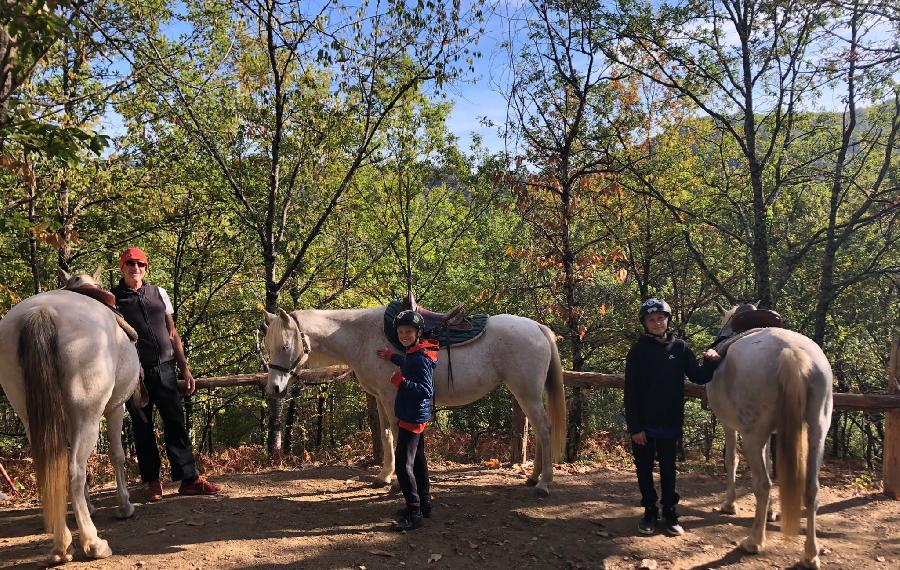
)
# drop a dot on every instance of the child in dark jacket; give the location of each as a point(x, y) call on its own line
point(654, 408)
point(412, 406)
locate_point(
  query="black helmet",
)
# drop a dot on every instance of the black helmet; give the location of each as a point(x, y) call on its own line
point(654, 305)
point(409, 318)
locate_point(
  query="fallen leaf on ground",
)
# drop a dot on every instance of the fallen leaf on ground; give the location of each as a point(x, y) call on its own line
point(157, 531)
point(435, 558)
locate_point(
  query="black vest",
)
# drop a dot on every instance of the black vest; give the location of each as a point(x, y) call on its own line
point(145, 311)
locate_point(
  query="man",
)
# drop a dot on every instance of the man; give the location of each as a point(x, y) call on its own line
point(148, 309)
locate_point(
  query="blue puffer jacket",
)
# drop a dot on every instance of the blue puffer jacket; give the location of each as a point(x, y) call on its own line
point(415, 391)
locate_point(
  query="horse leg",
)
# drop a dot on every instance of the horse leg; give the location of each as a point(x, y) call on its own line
point(82, 445)
point(117, 458)
point(388, 434)
point(537, 464)
point(727, 505)
point(771, 515)
point(754, 449)
point(543, 462)
point(815, 447)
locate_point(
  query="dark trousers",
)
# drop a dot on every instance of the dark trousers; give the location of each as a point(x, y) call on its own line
point(662, 449)
point(412, 469)
point(162, 386)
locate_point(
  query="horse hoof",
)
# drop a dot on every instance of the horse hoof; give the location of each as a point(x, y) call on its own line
point(61, 557)
point(380, 483)
point(811, 562)
point(99, 549)
point(726, 509)
point(541, 492)
point(531, 482)
point(772, 516)
point(750, 547)
point(125, 513)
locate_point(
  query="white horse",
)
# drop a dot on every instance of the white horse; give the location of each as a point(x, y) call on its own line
point(64, 362)
point(515, 351)
point(775, 380)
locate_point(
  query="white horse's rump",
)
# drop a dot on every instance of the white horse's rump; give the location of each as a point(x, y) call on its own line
point(775, 380)
point(515, 351)
point(64, 362)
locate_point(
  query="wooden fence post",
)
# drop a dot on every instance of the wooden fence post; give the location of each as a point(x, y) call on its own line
point(519, 444)
point(891, 475)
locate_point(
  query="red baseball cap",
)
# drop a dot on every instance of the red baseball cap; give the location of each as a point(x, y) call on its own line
point(135, 253)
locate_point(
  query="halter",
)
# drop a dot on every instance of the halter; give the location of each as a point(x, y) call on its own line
point(304, 341)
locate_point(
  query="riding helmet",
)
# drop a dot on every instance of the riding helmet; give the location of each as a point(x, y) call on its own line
point(654, 305)
point(409, 318)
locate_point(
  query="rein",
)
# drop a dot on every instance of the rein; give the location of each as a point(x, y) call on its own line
point(304, 341)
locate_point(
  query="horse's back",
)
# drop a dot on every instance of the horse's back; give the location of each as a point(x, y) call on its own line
point(746, 385)
point(92, 350)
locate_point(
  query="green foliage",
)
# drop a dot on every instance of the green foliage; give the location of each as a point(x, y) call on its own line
point(317, 169)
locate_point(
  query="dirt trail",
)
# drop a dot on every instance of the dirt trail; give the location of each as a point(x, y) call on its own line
point(330, 517)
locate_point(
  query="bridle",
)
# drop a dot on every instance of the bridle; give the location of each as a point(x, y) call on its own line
point(304, 341)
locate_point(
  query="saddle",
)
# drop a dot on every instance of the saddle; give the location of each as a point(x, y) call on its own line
point(141, 397)
point(455, 327)
point(454, 319)
point(109, 300)
point(745, 323)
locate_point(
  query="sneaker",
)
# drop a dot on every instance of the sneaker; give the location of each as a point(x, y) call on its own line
point(404, 512)
point(154, 491)
point(409, 522)
point(647, 524)
point(671, 524)
point(199, 486)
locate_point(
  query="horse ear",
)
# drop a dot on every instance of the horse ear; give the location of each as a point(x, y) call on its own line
point(269, 317)
point(756, 304)
point(63, 275)
point(98, 274)
point(722, 310)
point(284, 316)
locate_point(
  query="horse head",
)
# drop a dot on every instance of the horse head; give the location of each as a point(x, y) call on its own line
point(288, 349)
point(80, 280)
point(729, 314)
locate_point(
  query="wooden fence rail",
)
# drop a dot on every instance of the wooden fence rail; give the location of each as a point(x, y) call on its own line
point(842, 401)
point(889, 403)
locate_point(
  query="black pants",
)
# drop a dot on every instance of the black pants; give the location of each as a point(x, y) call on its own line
point(662, 449)
point(162, 385)
point(412, 469)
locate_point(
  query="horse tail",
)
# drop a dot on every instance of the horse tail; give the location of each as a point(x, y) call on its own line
point(39, 358)
point(794, 369)
point(556, 398)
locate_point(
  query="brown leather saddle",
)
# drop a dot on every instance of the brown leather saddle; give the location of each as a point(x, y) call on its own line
point(454, 319)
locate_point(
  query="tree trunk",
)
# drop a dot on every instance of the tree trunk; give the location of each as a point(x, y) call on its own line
point(291, 417)
point(891, 476)
point(519, 443)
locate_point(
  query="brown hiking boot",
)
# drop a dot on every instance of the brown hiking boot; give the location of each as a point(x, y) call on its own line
point(199, 486)
point(154, 491)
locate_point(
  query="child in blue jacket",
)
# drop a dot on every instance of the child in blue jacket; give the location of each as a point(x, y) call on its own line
point(412, 406)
